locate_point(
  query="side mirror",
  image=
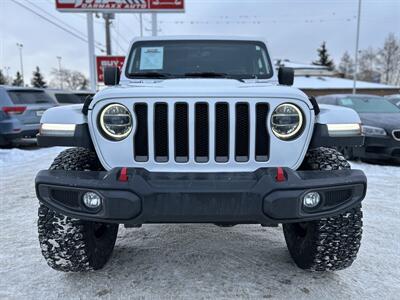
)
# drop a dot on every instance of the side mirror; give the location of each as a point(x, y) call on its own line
point(286, 76)
point(111, 75)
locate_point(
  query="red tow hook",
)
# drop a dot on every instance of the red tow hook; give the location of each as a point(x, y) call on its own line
point(280, 175)
point(123, 175)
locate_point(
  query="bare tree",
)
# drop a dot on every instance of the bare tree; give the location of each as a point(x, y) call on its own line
point(72, 80)
point(389, 60)
point(346, 65)
point(368, 65)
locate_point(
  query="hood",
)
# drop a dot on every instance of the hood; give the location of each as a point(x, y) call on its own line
point(387, 121)
point(202, 87)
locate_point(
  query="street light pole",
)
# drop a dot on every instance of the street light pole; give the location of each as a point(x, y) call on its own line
point(141, 24)
point(59, 72)
point(356, 54)
point(154, 23)
point(20, 46)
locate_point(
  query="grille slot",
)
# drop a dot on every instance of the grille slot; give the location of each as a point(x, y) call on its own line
point(181, 132)
point(141, 141)
point(242, 132)
point(221, 132)
point(161, 132)
point(262, 138)
point(202, 140)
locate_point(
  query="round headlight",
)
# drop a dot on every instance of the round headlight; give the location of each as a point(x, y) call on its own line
point(116, 121)
point(286, 121)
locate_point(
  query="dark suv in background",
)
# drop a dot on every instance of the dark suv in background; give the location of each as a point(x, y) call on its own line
point(20, 112)
point(64, 97)
point(380, 125)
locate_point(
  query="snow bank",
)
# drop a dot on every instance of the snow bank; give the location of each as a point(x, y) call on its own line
point(10, 157)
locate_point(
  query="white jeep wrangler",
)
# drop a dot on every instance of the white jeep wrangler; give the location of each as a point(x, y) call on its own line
point(200, 130)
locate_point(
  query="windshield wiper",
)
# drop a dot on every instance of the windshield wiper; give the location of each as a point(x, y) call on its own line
point(150, 74)
point(211, 75)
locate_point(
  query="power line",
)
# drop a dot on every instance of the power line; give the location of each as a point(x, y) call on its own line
point(120, 35)
point(51, 2)
point(61, 21)
point(50, 15)
point(55, 24)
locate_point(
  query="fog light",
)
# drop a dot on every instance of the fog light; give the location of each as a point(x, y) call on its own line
point(311, 199)
point(91, 200)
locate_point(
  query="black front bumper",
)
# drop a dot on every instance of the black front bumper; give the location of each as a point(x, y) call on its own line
point(201, 197)
point(379, 148)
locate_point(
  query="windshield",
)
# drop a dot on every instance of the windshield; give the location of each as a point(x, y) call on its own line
point(369, 105)
point(68, 98)
point(29, 97)
point(180, 59)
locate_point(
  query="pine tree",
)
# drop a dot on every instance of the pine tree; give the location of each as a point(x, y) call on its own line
point(324, 59)
point(346, 65)
point(38, 79)
point(18, 80)
point(3, 79)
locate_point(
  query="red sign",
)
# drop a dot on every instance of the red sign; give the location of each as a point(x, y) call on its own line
point(119, 5)
point(107, 61)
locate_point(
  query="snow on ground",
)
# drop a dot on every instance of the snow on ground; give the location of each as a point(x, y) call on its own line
point(194, 261)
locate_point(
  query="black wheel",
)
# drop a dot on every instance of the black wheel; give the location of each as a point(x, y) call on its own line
point(347, 152)
point(328, 244)
point(69, 244)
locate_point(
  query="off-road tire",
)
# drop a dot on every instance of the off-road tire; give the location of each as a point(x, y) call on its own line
point(328, 244)
point(69, 244)
point(347, 152)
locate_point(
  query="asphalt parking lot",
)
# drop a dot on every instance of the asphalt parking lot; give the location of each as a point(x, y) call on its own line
point(194, 261)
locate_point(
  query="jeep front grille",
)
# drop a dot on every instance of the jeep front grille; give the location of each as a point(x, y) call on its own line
point(396, 134)
point(201, 132)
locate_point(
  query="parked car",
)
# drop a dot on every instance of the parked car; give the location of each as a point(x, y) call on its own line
point(64, 97)
point(21, 110)
point(380, 124)
point(395, 99)
point(200, 130)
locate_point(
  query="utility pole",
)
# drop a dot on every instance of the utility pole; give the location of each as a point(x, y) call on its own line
point(154, 24)
point(59, 72)
point(107, 21)
point(92, 64)
point(20, 46)
point(356, 54)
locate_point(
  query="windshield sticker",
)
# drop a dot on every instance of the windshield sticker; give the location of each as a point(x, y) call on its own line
point(347, 102)
point(152, 58)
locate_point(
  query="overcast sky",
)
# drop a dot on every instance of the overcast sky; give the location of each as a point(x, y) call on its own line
point(294, 28)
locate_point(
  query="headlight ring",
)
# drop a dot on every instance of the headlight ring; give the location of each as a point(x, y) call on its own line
point(287, 121)
point(116, 122)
